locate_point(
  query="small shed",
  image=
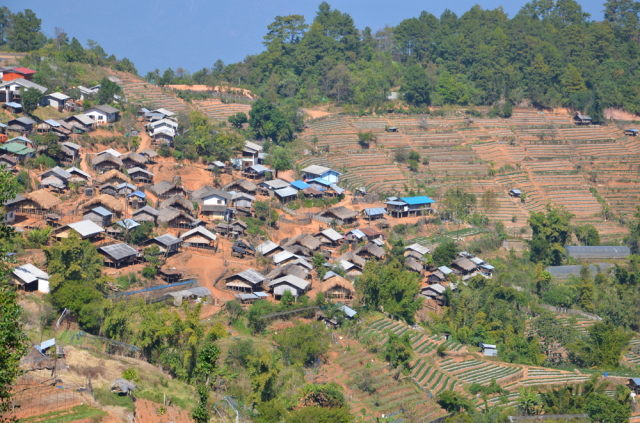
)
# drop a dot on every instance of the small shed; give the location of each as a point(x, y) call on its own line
point(342, 214)
point(30, 278)
point(489, 350)
point(337, 288)
point(580, 119)
point(515, 193)
point(122, 386)
point(167, 243)
point(241, 185)
point(329, 237)
point(631, 132)
point(634, 385)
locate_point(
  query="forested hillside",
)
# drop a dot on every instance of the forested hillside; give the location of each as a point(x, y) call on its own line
point(550, 54)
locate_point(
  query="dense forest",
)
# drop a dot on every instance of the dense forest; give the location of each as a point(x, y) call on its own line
point(550, 54)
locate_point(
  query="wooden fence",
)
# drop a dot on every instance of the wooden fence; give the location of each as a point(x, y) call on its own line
point(296, 221)
point(563, 310)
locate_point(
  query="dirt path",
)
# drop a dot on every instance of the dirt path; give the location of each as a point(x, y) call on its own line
point(145, 144)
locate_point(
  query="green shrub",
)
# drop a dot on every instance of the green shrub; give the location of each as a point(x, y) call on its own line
point(149, 272)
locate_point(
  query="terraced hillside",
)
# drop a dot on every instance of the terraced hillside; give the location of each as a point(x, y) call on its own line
point(460, 367)
point(218, 110)
point(138, 91)
point(544, 155)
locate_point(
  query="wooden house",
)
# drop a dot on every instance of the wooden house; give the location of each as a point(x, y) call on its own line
point(107, 201)
point(167, 243)
point(341, 214)
point(8, 161)
point(256, 171)
point(269, 249)
point(370, 251)
point(338, 289)
point(113, 176)
point(108, 189)
point(179, 203)
point(241, 185)
point(118, 255)
point(516, 193)
point(137, 200)
point(81, 124)
point(149, 154)
point(105, 162)
point(145, 214)
point(174, 218)
point(38, 203)
point(329, 237)
point(167, 189)
point(140, 175)
point(214, 212)
point(99, 215)
point(124, 188)
point(463, 266)
point(133, 160)
point(56, 100)
point(293, 284)
point(71, 151)
point(198, 237)
point(246, 281)
point(22, 125)
point(580, 119)
point(86, 230)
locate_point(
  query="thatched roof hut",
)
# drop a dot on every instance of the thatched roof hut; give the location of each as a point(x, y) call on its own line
point(338, 288)
point(114, 175)
point(241, 185)
point(42, 199)
point(341, 213)
point(106, 201)
point(177, 202)
point(106, 159)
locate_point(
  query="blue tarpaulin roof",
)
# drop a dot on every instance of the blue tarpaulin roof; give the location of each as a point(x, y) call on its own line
point(417, 200)
point(300, 185)
point(321, 181)
point(375, 211)
point(137, 194)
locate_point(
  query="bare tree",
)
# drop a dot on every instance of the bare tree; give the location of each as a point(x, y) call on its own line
point(61, 37)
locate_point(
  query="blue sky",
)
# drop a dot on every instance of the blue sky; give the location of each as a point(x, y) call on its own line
point(193, 34)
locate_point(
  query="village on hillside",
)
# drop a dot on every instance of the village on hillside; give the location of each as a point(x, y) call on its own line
point(437, 222)
point(193, 229)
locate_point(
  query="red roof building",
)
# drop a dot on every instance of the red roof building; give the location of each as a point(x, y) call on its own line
point(9, 74)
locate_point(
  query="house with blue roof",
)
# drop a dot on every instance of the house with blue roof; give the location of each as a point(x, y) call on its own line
point(299, 185)
point(409, 206)
point(321, 172)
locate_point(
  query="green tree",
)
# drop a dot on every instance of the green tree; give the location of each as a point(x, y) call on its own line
point(200, 414)
point(528, 401)
point(5, 22)
point(550, 234)
point(207, 358)
point(108, 89)
point(25, 29)
point(398, 350)
point(587, 235)
point(263, 368)
point(238, 119)
point(31, 99)
point(14, 340)
point(281, 159)
point(416, 87)
point(444, 254)
point(604, 349)
point(303, 343)
point(268, 121)
point(286, 29)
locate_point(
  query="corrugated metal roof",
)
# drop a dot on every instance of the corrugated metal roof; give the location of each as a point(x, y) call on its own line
point(252, 276)
point(119, 251)
point(86, 228)
point(292, 280)
point(321, 181)
point(137, 194)
point(53, 123)
point(337, 189)
point(286, 192)
point(29, 273)
point(347, 310)
point(331, 234)
point(282, 256)
point(14, 105)
point(267, 247)
point(445, 270)
point(168, 239)
point(128, 223)
point(421, 249)
point(375, 211)
point(358, 233)
point(275, 184)
point(199, 230)
point(102, 211)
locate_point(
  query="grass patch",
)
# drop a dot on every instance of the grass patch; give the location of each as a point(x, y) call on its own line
point(63, 416)
point(108, 398)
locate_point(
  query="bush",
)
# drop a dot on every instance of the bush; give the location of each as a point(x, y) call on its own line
point(130, 374)
point(149, 272)
point(303, 343)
